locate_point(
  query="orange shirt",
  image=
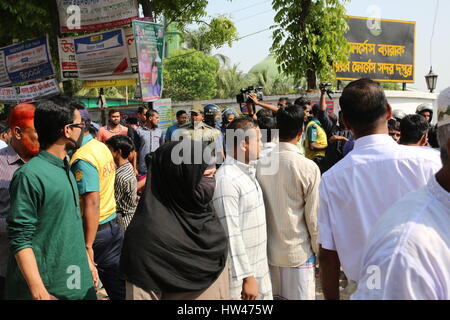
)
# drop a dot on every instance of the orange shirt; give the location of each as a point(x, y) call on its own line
point(105, 133)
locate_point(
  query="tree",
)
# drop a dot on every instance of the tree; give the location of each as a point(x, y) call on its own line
point(211, 35)
point(190, 75)
point(308, 38)
point(230, 81)
point(276, 85)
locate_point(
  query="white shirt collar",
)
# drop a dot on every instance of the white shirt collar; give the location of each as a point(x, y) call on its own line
point(373, 139)
point(438, 192)
point(248, 169)
point(286, 146)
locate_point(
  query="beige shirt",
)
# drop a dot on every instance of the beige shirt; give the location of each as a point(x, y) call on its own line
point(291, 198)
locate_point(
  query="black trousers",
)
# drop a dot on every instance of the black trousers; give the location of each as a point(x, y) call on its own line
point(107, 248)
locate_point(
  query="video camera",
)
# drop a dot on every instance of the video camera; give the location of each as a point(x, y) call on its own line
point(243, 97)
point(325, 85)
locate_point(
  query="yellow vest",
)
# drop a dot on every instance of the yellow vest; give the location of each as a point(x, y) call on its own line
point(98, 154)
point(321, 140)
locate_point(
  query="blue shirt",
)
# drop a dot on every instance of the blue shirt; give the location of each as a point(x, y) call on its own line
point(170, 131)
point(151, 139)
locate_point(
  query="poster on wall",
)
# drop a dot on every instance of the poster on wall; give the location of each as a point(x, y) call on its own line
point(26, 61)
point(164, 108)
point(102, 54)
point(29, 93)
point(95, 15)
point(68, 62)
point(149, 40)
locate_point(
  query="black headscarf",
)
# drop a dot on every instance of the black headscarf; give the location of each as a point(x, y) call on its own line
point(175, 243)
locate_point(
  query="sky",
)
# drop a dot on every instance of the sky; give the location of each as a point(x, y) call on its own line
point(252, 16)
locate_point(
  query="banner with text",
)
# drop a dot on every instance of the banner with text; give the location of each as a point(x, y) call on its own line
point(102, 54)
point(68, 62)
point(382, 50)
point(25, 61)
point(149, 39)
point(164, 108)
point(29, 93)
point(95, 15)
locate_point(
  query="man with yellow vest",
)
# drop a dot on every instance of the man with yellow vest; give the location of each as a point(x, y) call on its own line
point(316, 141)
point(94, 170)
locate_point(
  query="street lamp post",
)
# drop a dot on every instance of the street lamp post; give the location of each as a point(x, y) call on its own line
point(431, 79)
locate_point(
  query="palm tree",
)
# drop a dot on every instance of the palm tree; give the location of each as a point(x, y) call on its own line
point(230, 81)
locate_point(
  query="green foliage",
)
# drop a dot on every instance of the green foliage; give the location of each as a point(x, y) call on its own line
point(391, 86)
point(183, 12)
point(277, 85)
point(211, 35)
point(25, 19)
point(190, 75)
point(308, 38)
point(230, 81)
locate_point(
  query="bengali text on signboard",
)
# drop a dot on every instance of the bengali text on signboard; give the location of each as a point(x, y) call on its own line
point(382, 50)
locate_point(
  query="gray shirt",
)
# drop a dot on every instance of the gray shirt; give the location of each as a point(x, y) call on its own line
point(9, 163)
point(151, 139)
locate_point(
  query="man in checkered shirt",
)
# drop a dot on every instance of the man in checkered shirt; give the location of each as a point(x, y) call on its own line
point(238, 202)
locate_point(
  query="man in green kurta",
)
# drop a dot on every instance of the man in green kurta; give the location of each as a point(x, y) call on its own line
point(48, 257)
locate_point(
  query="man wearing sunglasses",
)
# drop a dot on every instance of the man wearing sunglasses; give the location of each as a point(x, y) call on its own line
point(48, 258)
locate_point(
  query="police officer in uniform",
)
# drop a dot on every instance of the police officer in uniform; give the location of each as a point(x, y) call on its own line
point(316, 141)
point(202, 127)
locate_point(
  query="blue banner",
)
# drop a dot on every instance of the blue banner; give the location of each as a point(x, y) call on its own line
point(25, 61)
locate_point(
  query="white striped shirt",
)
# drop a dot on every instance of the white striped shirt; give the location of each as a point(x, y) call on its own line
point(238, 202)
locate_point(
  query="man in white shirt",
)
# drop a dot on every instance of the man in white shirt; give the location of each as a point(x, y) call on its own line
point(239, 204)
point(291, 197)
point(360, 188)
point(408, 256)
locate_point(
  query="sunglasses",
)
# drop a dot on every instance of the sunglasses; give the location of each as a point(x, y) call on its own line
point(80, 125)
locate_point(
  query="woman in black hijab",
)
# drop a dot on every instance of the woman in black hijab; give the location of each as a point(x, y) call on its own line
point(175, 246)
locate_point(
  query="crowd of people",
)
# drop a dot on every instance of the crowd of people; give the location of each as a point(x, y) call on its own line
point(224, 206)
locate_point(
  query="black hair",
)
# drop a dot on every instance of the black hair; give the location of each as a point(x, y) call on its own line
point(66, 100)
point(393, 124)
point(290, 122)
point(4, 127)
point(110, 112)
point(412, 128)
point(151, 113)
point(264, 113)
point(302, 102)
point(180, 113)
point(122, 143)
point(363, 103)
point(315, 110)
point(141, 109)
point(50, 118)
point(267, 124)
point(243, 123)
